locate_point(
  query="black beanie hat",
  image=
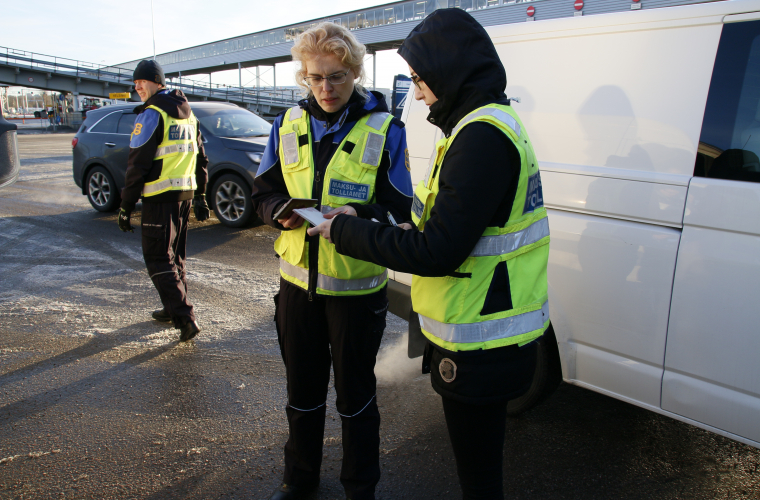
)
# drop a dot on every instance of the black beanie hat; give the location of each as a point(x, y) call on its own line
point(150, 70)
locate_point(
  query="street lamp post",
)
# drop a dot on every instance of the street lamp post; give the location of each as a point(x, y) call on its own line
point(153, 29)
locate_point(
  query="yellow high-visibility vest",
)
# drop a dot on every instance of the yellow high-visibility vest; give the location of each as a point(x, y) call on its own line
point(450, 307)
point(178, 150)
point(349, 178)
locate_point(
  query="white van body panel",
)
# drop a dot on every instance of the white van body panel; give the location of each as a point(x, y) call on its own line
point(712, 371)
point(613, 336)
point(614, 105)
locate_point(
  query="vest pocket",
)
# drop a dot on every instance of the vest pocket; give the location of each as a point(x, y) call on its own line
point(499, 295)
point(350, 165)
point(290, 245)
point(442, 299)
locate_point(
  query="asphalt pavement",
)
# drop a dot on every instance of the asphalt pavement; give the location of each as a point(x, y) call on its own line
point(98, 401)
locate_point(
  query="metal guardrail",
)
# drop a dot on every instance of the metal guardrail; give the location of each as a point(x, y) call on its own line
point(62, 65)
point(282, 97)
point(80, 69)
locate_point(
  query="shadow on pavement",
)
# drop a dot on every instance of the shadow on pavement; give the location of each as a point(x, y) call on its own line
point(35, 404)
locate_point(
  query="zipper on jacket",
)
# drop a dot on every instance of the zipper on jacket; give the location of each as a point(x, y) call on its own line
point(314, 263)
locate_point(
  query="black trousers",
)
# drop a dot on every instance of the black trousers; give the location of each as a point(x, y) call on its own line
point(475, 406)
point(344, 331)
point(477, 436)
point(164, 238)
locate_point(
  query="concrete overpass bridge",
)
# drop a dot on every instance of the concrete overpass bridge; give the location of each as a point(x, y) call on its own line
point(44, 72)
point(379, 28)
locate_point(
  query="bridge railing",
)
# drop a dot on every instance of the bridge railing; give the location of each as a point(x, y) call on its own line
point(63, 65)
point(284, 97)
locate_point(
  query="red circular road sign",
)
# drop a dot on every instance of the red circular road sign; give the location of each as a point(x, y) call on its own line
point(578, 4)
point(531, 11)
point(31, 79)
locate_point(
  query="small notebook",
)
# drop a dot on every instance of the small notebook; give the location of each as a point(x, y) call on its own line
point(311, 214)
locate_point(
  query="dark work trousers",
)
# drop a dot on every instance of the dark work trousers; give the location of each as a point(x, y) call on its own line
point(164, 237)
point(477, 436)
point(475, 407)
point(347, 332)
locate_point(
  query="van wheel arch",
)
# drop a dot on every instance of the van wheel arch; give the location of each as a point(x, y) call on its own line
point(546, 378)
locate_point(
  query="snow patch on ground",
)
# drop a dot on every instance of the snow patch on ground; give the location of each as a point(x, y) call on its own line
point(134, 253)
point(250, 285)
point(107, 294)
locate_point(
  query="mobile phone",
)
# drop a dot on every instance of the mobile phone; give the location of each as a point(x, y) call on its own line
point(286, 210)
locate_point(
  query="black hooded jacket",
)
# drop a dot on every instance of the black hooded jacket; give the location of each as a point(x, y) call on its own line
point(456, 59)
point(142, 168)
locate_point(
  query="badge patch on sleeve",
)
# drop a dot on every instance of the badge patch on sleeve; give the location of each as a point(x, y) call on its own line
point(145, 125)
point(534, 198)
point(350, 190)
point(418, 207)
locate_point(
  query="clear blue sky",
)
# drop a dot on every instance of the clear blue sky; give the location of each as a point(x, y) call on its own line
point(104, 32)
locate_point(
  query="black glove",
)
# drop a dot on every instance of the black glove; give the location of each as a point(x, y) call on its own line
point(124, 224)
point(200, 207)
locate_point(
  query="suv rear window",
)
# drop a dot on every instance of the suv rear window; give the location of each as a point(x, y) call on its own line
point(108, 124)
point(126, 124)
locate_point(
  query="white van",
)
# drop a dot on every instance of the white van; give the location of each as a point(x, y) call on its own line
point(646, 125)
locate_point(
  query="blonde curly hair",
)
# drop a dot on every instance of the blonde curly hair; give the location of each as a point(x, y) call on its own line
point(330, 38)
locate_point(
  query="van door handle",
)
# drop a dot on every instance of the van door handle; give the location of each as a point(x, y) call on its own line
point(110, 144)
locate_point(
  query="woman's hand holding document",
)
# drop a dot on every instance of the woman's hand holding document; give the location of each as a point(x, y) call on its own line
point(323, 228)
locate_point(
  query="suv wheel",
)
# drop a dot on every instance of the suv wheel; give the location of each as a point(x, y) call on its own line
point(101, 190)
point(232, 201)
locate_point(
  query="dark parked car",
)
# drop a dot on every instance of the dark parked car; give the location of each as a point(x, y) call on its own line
point(234, 139)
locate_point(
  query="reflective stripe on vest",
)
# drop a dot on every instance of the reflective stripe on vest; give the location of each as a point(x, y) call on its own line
point(374, 148)
point(503, 117)
point(484, 331)
point(377, 119)
point(180, 183)
point(174, 148)
point(508, 243)
point(290, 148)
point(333, 284)
point(296, 112)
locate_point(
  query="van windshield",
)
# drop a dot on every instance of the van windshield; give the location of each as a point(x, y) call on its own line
point(232, 123)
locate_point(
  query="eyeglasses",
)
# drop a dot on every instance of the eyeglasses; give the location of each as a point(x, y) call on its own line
point(416, 79)
point(318, 81)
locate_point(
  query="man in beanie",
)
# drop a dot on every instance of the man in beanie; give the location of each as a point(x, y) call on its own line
point(167, 167)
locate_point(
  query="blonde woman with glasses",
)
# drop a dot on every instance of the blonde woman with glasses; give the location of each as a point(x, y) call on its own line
point(341, 147)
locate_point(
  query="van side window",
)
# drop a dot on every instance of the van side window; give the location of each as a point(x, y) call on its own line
point(729, 145)
point(126, 124)
point(107, 125)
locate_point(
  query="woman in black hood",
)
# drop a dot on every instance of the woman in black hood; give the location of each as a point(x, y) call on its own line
point(480, 286)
